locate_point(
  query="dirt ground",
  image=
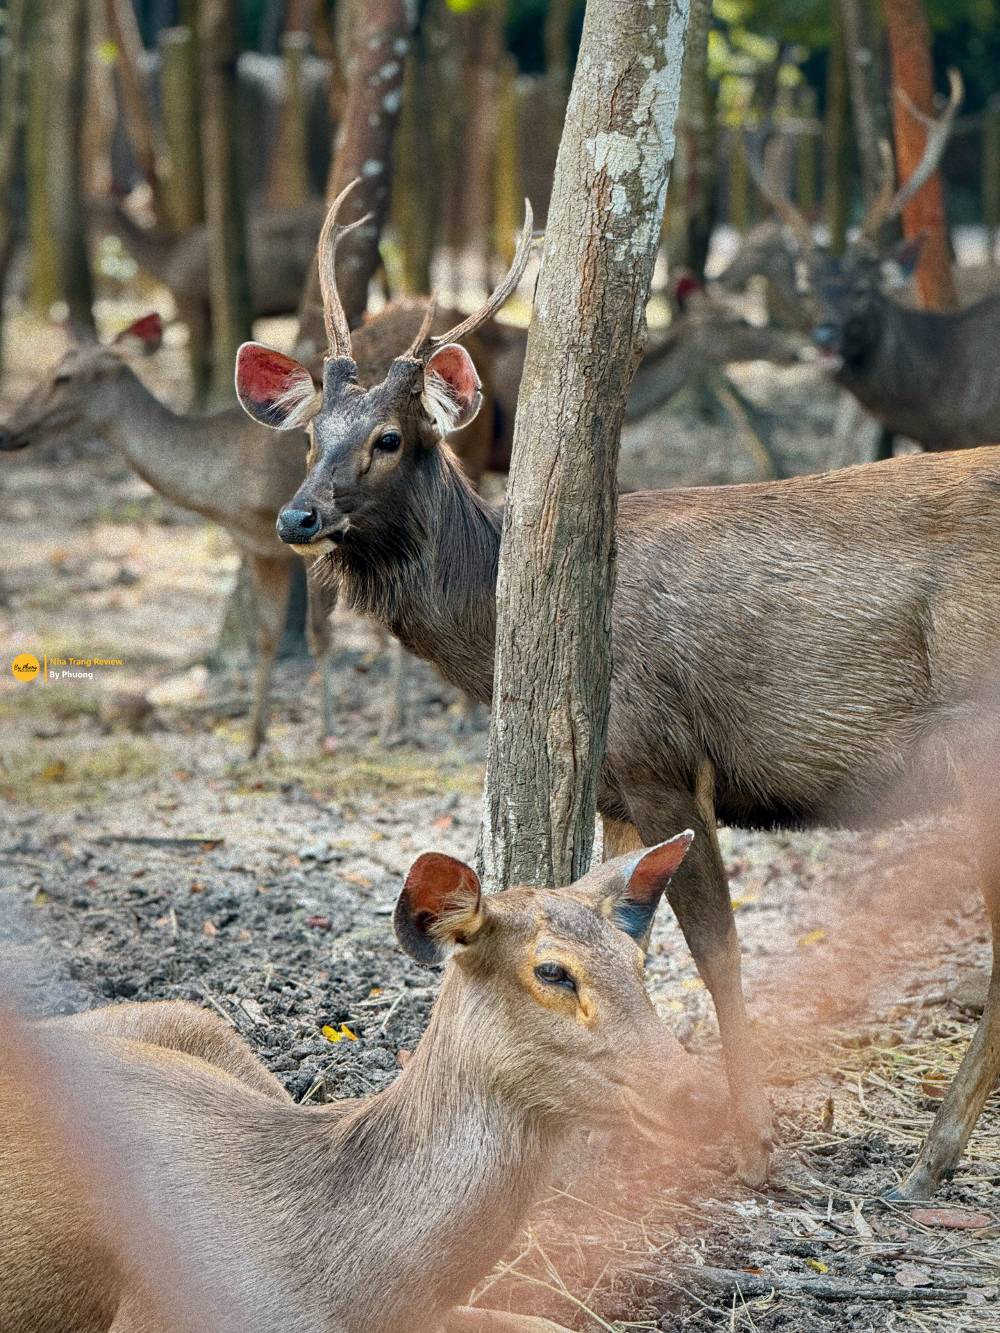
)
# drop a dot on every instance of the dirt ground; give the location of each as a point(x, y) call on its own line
point(155, 861)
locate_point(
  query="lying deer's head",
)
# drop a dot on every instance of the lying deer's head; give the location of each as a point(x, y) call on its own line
point(69, 403)
point(366, 441)
point(544, 993)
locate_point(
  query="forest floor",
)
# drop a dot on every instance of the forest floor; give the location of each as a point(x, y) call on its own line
point(147, 858)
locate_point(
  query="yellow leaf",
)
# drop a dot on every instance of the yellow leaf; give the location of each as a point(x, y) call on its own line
point(745, 901)
point(332, 1034)
point(812, 937)
point(54, 772)
point(351, 1036)
point(817, 1266)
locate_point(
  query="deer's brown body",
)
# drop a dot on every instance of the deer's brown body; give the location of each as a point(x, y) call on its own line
point(784, 653)
point(178, 1188)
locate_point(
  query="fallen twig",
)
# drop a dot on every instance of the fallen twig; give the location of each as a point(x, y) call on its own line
point(820, 1289)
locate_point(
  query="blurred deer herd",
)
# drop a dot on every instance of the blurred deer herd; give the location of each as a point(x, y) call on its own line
point(799, 651)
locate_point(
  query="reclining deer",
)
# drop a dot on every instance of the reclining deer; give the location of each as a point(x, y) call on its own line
point(782, 651)
point(920, 373)
point(180, 1190)
point(225, 467)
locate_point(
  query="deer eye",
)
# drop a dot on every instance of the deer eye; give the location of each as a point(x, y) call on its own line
point(553, 974)
point(389, 442)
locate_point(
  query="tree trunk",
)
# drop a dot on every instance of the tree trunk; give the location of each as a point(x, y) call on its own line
point(859, 22)
point(556, 580)
point(11, 124)
point(415, 174)
point(364, 150)
point(229, 281)
point(289, 182)
point(836, 154)
point(913, 75)
point(123, 30)
point(691, 202)
point(179, 103)
point(38, 135)
point(68, 28)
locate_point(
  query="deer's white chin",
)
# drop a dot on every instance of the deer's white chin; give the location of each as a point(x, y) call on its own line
point(320, 547)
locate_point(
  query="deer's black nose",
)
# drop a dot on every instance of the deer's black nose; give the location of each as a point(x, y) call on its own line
point(298, 526)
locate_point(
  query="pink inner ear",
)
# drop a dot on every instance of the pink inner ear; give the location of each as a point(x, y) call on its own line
point(454, 365)
point(434, 879)
point(149, 329)
point(263, 374)
point(657, 866)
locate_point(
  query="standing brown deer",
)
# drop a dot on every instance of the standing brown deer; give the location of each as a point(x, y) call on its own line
point(784, 653)
point(225, 467)
point(181, 1191)
point(920, 373)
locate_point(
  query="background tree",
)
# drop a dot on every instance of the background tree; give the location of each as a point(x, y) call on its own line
point(913, 80)
point(382, 33)
point(12, 71)
point(557, 560)
point(224, 194)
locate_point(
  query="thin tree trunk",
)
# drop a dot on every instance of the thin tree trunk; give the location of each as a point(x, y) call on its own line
point(124, 32)
point(836, 154)
point(913, 75)
point(690, 206)
point(557, 561)
point(68, 28)
point(364, 150)
point(289, 183)
point(859, 26)
point(229, 280)
point(181, 126)
point(415, 174)
point(11, 127)
point(38, 135)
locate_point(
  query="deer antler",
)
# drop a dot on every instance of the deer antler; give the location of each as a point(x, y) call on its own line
point(784, 208)
point(499, 295)
point(888, 205)
point(338, 331)
point(412, 353)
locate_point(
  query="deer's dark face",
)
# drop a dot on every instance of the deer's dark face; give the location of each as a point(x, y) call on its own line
point(849, 293)
point(366, 444)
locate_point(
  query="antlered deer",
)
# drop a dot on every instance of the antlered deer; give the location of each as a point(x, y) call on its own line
point(923, 374)
point(225, 467)
point(214, 1203)
point(783, 652)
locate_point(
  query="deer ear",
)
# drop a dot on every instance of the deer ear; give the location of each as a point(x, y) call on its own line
point(440, 907)
point(274, 389)
point(646, 874)
point(143, 335)
point(452, 393)
point(901, 263)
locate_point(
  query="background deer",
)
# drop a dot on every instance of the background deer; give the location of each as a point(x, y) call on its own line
point(281, 244)
point(920, 373)
point(374, 1214)
point(225, 467)
point(784, 652)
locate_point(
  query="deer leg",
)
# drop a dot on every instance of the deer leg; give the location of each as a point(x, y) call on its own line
point(978, 1073)
point(322, 601)
point(271, 585)
point(394, 715)
point(699, 896)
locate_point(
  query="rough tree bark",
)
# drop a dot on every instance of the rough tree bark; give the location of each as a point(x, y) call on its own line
point(364, 149)
point(556, 581)
point(913, 76)
point(181, 131)
point(229, 279)
point(123, 29)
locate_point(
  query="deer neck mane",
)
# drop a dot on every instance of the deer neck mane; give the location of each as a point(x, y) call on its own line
point(429, 575)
